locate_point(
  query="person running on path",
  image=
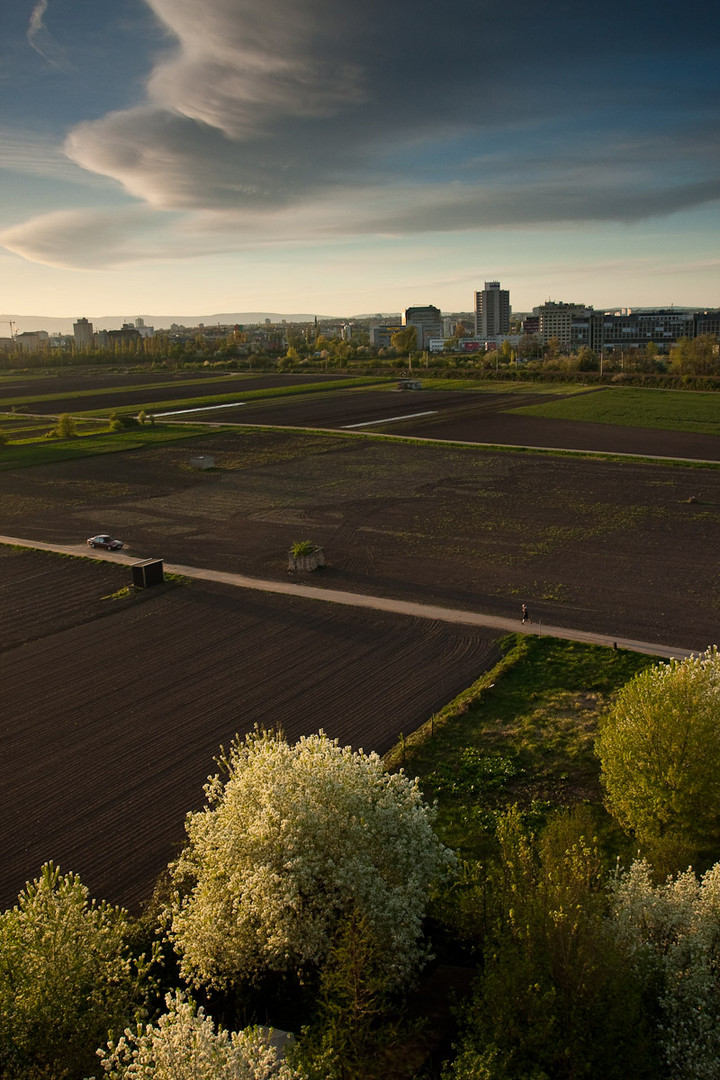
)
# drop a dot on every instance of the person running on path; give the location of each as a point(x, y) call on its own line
point(525, 614)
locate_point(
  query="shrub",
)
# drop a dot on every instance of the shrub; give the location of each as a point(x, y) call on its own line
point(67, 976)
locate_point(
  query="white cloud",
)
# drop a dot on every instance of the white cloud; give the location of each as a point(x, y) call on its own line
point(40, 39)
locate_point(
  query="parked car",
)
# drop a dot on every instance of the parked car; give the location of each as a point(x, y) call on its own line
point(104, 541)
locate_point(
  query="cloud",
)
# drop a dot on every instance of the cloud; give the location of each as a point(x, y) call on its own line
point(40, 39)
point(333, 118)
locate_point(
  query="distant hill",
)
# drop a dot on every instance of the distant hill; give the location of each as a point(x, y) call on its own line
point(56, 324)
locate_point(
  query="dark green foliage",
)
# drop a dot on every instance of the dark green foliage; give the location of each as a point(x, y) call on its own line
point(351, 1024)
point(123, 421)
point(555, 1000)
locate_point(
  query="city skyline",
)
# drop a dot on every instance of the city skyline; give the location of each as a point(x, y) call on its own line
point(163, 157)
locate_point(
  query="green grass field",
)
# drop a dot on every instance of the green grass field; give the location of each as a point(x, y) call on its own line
point(523, 733)
point(491, 387)
point(47, 451)
point(668, 410)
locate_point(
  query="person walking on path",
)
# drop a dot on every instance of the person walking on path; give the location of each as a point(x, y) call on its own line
point(525, 614)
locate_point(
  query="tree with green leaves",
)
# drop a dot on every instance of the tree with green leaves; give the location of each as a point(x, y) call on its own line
point(66, 428)
point(659, 748)
point(554, 998)
point(67, 977)
point(405, 341)
point(670, 932)
point(294, 839)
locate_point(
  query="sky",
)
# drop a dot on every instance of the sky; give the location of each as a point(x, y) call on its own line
point(342, 157)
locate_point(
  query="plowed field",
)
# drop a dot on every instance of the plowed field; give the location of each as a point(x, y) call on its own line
point(114, 709)
point(620, 548)
point(72, 393)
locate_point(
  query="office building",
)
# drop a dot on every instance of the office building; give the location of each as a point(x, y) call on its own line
point(427, 322)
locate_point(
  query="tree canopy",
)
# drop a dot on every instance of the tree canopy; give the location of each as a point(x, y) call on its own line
point(659, 748)
point(67, 976)
point(293, 840)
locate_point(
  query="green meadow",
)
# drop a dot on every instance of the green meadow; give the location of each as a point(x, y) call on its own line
point(668, 410)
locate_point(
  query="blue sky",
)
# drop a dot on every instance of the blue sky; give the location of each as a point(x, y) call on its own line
point(348, 156)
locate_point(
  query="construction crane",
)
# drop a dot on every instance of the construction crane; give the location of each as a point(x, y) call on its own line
point(11, 324)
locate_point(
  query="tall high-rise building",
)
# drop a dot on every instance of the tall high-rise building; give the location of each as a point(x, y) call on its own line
point(492, 311)
point(83, 333)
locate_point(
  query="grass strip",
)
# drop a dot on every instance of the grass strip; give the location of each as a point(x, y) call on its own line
point(46, 452)
point(490, 387)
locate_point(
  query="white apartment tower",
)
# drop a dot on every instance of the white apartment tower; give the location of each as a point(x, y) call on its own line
point(492, 311)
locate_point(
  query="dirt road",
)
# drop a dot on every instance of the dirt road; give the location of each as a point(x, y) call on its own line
point(378, 603)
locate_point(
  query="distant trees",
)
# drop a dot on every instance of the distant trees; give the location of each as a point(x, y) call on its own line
point(659, 748)
point(292, 841)
point(696, 356)
point(67, 976)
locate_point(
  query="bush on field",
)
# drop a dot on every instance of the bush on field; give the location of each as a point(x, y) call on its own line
point(66, 428)
point(123, 421)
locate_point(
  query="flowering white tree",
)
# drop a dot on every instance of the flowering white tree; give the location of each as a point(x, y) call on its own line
point(293, 840)
point(659, 748)
point(675, 929)
point(184, 1045)
point(66, 977)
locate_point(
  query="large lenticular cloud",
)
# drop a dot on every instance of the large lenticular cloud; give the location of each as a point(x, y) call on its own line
point(332, 117)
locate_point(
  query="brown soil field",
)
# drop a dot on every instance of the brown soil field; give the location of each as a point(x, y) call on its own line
point(149, 388)
point(622, 548)
point(466, 416)
point(114, 709)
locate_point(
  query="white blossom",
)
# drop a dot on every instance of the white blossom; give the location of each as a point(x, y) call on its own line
point(184, 1045)
point(675, 928)
point(291, 840)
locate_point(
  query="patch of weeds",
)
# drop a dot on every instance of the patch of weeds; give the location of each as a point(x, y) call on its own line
point(474, 775)
point(120, 594)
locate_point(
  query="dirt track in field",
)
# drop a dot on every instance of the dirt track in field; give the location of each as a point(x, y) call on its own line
point(621, 548)
point(113, 710)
